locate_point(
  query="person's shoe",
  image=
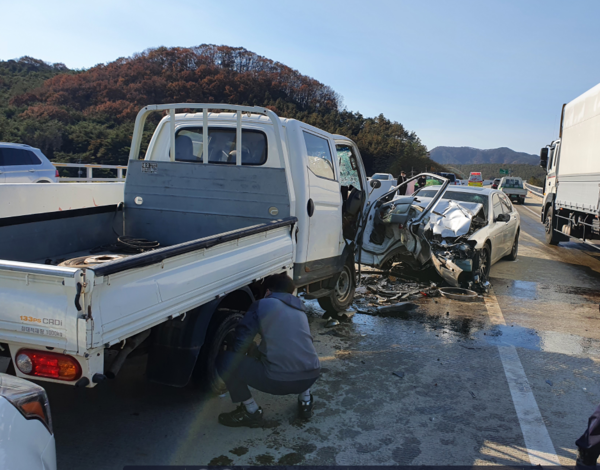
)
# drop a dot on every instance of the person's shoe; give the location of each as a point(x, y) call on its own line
point(585, 459)
point(240, 417)
point(305, 408)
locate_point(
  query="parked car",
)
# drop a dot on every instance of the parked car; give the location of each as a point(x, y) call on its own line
point(513, 188)
point(454, 181)
point(462, 233)
point(20, 163)
point(26, 437)
point(382, 176)
point(495, 183)
point(475, 179)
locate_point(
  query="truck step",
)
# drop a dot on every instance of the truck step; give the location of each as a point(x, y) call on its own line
point(317, 294)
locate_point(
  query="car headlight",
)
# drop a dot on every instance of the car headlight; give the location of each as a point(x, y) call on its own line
point(29, 398)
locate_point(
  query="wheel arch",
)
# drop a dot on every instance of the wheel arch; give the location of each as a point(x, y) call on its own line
point(176, 344)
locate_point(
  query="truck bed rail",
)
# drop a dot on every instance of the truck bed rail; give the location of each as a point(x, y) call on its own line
point(156, 256)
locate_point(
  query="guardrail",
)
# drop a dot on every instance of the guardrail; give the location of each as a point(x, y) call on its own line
point(89, 171)
point(534, 189)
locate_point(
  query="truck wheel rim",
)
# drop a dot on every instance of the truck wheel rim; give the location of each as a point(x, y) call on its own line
point(342, 287)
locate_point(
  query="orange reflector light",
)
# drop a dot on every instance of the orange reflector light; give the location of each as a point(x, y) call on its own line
point(48, 364)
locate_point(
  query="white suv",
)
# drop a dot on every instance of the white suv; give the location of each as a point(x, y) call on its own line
point(20, 163)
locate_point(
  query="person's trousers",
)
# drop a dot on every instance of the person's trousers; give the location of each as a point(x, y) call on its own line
point(240, 372)
point(591, 437)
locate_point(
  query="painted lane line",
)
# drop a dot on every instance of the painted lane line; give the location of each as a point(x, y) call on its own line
point(534, 213)
point(537, 440)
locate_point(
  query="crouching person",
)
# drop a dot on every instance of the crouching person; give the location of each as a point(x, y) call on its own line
point(284, 363)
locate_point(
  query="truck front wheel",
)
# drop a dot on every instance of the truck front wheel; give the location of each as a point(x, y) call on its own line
point(342, 295)
point(219, 338)
point(552, 237)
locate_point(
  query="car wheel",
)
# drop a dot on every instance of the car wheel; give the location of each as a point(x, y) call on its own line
point(512, 256)
point(342, 295)
point(552, 237)
point(220, 337)
point(483, 264)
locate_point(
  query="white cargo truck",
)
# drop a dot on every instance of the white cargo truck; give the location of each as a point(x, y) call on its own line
point(219, 201)
point(571, 203)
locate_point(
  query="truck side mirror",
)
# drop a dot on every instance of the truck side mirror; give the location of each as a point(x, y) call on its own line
point(375, 184)
point(544, 157)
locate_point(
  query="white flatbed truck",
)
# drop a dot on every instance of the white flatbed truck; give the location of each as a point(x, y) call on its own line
point(224, 199)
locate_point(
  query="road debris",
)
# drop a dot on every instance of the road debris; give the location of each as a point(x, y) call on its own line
point(331, 323)
point(458, 293)
point(549, 382)
point(399, 307)
point(398, 374)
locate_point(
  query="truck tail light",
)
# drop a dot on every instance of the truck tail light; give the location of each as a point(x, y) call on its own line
point(48, 364)
point(28, 398)
point(56, 174)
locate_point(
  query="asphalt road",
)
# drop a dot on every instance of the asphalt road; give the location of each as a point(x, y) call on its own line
point(507, 380)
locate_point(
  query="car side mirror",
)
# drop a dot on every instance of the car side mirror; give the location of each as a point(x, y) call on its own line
point(544, 157)
point(375, 184)
point(503, 218)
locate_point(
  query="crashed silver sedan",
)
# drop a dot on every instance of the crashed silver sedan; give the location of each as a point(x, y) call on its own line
point(460, 231)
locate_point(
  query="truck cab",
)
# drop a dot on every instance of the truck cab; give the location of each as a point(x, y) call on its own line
point(286, 168)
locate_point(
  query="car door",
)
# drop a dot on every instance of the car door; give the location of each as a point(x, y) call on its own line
point(497, 229)
point(325, 240)
point(402, 217)
point(16, 165)
point(513, 223)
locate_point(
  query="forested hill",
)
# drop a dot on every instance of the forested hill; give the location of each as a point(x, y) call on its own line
point(469, 155)
point(88, 115)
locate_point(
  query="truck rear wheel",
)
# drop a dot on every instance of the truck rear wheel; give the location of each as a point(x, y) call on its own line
point(342, 295)
point(220, 337)
point(552, 237)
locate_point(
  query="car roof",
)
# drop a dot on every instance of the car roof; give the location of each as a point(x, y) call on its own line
point(466, 189)
point(15, 145)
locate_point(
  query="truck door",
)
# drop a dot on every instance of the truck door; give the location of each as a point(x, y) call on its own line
point(324, 207)
point(553, 156)
point(353, 185)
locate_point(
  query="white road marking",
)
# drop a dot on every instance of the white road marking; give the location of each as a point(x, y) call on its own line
point(534, 213)
point(537, 440)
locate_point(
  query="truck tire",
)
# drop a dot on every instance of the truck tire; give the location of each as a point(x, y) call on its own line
point(219, 338)
point(512, 256)
point(342, 295)
point(552, 237)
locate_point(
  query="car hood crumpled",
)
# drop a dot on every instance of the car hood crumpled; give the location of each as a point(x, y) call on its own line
point(452, 219)
point(448, 231)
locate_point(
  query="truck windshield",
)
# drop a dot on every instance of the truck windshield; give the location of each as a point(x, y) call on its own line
point(513, 183)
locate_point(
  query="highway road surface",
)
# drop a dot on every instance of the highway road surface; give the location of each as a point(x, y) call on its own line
point(510, 379)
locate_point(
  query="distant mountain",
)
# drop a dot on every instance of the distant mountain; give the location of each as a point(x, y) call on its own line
point(469, 155)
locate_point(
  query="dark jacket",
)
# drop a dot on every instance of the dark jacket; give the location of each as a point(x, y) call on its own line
point(402, 189)
point(286, 348)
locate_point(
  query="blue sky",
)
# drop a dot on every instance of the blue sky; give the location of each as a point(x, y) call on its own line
point(477, 73)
